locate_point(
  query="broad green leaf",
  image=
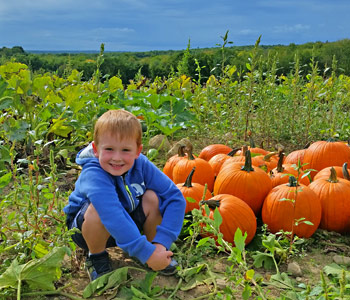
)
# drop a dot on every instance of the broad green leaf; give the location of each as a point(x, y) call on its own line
point(263, 260)
point(59, 128)
point(115, 84)
point(38, 274)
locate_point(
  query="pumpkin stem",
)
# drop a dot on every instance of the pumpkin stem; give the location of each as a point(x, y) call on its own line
point(244, 149)
point(268, 156)
point(333, 176)
point(188, 182)
point(211, 203)
point(292, 182)
point(307, 145)
point(189, 153)
point(248, 162)
point(280, 167)
point(345, 171)
point(233, 151)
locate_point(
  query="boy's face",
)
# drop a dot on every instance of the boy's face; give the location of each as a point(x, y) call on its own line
point(116, 156)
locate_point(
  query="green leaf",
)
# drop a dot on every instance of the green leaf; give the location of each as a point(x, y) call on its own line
point(115, 84)
point(281, 281)
point(110, 280)
point(5, 180)
point(38, 274)
point(217, 218)
point(247, 292)
point(263, 260)
point(239, 239)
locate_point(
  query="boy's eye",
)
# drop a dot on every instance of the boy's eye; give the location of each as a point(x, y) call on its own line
point(126, 150)
point(109, 149)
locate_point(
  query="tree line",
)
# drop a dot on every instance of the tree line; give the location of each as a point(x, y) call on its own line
point(198, 64)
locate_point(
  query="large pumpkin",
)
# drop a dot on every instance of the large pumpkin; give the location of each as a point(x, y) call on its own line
point(204, 172)
point(322, 154)
point(334, 194)
point(249, 183)
point(288, 206)
point(235, 214)
point(195, 191)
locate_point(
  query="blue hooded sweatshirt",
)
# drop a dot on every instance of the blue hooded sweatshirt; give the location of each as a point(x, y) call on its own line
point(114, 197)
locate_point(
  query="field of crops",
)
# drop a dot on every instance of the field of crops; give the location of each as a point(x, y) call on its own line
point(46, 119)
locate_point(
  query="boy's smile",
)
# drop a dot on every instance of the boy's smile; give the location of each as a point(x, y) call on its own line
point(116, 156)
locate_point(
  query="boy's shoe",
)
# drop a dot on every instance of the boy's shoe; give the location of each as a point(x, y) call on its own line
point(170, 269)
point(98, 265)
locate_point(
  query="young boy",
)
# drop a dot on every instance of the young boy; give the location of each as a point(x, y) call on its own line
point(120, 194)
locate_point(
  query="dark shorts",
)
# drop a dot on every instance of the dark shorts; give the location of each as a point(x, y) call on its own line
point(137, 215)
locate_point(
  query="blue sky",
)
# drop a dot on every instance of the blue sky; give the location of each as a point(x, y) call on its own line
point(144, 25)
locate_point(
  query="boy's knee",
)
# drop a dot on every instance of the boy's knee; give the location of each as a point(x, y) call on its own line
point(150, 201)
point(91, 215)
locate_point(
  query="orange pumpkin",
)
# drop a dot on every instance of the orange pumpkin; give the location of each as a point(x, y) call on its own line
point(251, 184)
point(342, 172)
point(323, 154)
point(288, 206)
point(266, 162)
point(217, 160)
point(209, 151)
point(172, 161)
point(235, 214)
point(204, 173)
point(195, 191)
point(295, 156)
point(334, 194)
point(280, 174)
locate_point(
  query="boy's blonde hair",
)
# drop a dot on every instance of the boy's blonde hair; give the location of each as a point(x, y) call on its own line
point(119, 122)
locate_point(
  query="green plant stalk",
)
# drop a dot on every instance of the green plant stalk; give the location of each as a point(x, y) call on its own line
point(59, 292)
point(244, 264)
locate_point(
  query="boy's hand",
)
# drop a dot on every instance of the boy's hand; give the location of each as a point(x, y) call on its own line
point(160, 258)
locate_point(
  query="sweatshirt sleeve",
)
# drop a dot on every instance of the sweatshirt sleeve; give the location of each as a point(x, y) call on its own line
point(172, 204)
point(100, 189)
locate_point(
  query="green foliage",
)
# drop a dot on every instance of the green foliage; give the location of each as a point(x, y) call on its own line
point(221, 95)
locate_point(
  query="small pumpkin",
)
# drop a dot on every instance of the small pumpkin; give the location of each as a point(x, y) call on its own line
point(293, 208)
point(217, 160)
point(238, 157)
point(204, 172)
point(172, 161)
point(194, 191)
point(334, 194)
point(235, 214)
point(266, 162)
point(296, 156)
point(209, 151)
point(280, 174)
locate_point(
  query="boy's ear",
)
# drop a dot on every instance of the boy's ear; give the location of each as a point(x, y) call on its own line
point(139, 150)
point(94, 148)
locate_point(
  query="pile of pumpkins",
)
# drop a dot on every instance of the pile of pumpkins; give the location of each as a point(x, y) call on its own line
point(298, 193)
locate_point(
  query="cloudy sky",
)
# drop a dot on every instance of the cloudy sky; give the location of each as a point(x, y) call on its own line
point(144, 25)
